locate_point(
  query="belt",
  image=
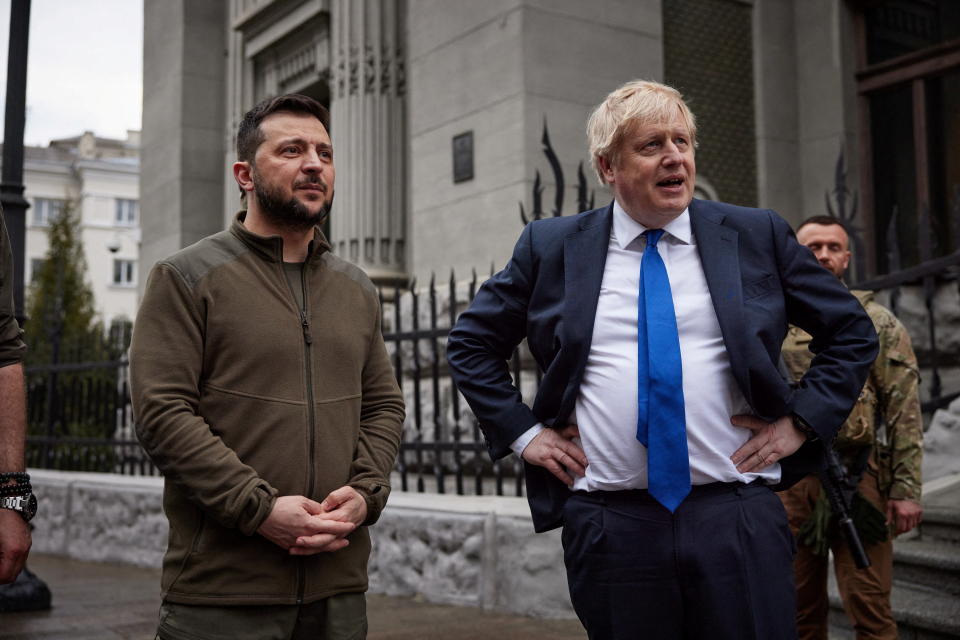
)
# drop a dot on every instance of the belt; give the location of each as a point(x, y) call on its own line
point(697, 492)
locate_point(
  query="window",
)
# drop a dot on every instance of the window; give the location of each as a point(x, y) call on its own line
point(121, 329)
point(909, 91)
point(124, 273)
point(36, 266)
point(45, 210)
point(126, 212)
point(896, 28)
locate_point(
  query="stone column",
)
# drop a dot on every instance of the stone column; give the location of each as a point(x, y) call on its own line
point(181, 167)
point(368, 127)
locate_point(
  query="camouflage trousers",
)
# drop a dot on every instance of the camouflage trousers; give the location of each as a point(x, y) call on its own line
point(865, 592)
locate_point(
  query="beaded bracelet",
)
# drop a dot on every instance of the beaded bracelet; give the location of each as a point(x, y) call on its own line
point(12, 490)
point(15, 484)
point(16, 476)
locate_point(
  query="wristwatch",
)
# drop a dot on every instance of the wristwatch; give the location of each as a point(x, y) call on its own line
point(26, 505)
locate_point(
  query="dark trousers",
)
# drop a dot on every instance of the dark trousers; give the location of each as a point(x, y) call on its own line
point(720, 567)
point(339, 617)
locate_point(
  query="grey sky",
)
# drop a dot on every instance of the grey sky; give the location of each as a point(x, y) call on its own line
point(84, 68)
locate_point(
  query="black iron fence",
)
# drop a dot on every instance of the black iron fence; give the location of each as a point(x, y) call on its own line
point(78, 407)
point(442, 449)
point(80, 419)
point(79, 415)
point(932, 316)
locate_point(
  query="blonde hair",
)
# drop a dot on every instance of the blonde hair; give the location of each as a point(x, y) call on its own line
point(636, 102)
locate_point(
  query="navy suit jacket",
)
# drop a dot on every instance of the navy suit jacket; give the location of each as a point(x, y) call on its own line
point(760, 280)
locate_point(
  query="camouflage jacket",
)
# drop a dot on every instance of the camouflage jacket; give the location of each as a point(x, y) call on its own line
point(887, 415)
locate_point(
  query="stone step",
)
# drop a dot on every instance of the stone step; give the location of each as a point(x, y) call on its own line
point(941, 523)
point(921, 613)
point(934, 564)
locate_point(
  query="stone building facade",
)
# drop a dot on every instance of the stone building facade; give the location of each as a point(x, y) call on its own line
point(439, 109)
point(779, 86)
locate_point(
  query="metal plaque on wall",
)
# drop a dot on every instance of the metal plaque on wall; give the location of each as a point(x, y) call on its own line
point(463, 157)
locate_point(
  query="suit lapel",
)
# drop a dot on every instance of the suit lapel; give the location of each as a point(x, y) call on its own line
point(719, 251)
point(584, 257)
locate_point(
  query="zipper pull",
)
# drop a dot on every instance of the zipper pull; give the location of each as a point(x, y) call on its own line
point(306, 330)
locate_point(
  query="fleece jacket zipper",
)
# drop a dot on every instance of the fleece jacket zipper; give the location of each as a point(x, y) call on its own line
point(311, 404)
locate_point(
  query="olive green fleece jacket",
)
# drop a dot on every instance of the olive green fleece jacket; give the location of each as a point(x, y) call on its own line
point(238, 399)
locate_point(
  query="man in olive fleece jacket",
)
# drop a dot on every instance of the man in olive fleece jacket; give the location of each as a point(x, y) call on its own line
point(263, 391)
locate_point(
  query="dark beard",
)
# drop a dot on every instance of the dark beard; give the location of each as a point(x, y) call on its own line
point(289, 214)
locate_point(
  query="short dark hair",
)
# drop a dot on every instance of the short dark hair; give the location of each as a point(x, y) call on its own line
point(826, 221)
point(249, 134)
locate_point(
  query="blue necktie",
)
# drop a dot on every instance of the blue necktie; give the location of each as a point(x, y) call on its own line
point(661, 425)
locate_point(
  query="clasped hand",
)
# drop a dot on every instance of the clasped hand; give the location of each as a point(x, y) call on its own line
point(304, 527)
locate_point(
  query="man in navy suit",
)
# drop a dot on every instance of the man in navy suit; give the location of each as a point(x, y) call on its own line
point(662, 422)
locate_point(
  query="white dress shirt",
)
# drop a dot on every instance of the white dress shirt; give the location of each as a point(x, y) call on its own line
point(606, 407)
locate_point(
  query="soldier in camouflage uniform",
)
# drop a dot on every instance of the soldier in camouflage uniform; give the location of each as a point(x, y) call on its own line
point(881, 442)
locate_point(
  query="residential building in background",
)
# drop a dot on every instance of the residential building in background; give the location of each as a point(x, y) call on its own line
point(100, 177)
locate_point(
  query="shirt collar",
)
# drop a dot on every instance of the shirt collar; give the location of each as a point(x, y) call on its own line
point(625, 229)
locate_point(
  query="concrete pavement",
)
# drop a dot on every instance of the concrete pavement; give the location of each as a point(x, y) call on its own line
point(93, 601)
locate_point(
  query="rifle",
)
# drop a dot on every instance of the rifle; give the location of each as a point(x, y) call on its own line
point(834, 480)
